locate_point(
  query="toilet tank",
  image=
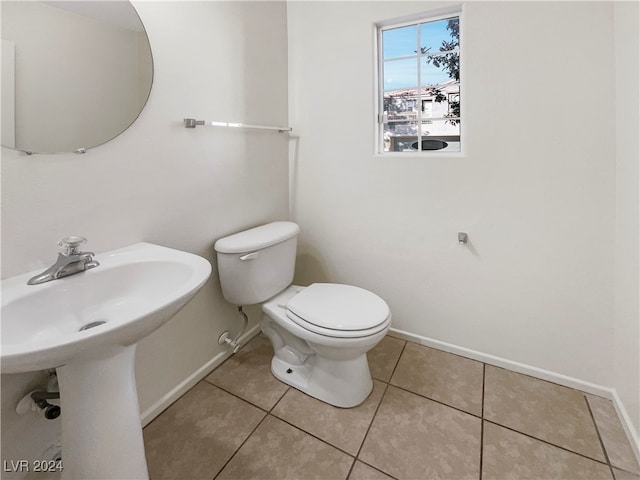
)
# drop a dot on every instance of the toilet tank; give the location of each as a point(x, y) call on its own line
point(256, 264)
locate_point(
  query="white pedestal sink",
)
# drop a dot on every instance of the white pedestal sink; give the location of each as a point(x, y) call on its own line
point(133, 292)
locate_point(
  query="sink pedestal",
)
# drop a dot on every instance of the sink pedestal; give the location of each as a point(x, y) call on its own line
point(101, 430)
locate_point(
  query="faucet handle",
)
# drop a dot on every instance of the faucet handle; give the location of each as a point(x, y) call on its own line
point(70, 244)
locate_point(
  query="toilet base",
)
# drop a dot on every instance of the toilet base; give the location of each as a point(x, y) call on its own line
point(342, 383)
point(334, 370)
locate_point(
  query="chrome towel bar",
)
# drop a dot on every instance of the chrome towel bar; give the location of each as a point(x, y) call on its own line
point(192, 123)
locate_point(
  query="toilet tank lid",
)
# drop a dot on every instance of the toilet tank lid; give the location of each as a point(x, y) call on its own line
point(256, 238)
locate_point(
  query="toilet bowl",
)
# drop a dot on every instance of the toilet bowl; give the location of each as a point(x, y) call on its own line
point(321, 333)
point(320, 336)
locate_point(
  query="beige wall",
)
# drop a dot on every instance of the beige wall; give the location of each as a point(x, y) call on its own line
point(627, 287)
point(160, 182)
point(535, 187)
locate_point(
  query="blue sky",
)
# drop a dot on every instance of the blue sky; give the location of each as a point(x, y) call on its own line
point(400, 42)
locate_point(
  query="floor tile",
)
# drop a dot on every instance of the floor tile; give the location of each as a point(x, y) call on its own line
point(441, 376)
point(623, 475)
point(196, 435)
point(247, 374)
point(508, 455)
point(414, 437)
point(362, 471)
point(279, 451)
point(344, 428)
point(384, 357)
point(612, 434)
point(544, 410)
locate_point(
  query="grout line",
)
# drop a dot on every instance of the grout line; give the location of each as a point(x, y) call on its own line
point(484, 379)
point(595, 424)
point(239, 397)
point(172, 404)
point(484, 369)
point(436, 401)
point(439, 349)
point(376, 469)
point(353, 464)
point(327, 442)
point(433, 399)
point(311, 435)
point(248, 401)
point(506, 364)
point(268, 413)
point(481, 446)
point(397, 361)
point(625, 471)
point(280, 399)
point(510, 370)
point(239, 447)
point(373, 417)
point(355, 458)
point(546, 441)
point(386, 388)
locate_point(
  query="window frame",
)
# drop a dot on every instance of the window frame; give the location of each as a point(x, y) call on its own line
point(417, 19)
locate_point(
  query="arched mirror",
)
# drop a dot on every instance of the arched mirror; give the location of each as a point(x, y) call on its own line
point(75, 74)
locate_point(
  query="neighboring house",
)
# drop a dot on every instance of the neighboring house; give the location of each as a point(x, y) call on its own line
point(437, 104)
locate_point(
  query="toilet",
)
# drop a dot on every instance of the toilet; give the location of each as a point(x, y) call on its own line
point(321, 333)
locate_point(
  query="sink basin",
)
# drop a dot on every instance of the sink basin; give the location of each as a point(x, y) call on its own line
point(87, 326)
point(134, 291)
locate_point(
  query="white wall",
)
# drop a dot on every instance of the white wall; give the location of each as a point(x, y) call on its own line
point(535, 187)
point(627, 267)
point(162, 183)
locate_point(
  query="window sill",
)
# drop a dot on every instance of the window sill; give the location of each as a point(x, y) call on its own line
point(425, 155)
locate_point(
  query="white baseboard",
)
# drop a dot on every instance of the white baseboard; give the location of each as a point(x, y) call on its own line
point(627, 424)
point(158, 407)
point(567, 381)
point(505, 363)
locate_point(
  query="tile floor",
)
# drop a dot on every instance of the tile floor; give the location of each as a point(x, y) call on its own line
point(431, 415)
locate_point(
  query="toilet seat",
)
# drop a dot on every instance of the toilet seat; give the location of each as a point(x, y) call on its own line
point(337, 310)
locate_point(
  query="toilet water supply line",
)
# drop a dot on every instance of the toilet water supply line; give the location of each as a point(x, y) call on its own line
point(224, 338)
point(36, 400)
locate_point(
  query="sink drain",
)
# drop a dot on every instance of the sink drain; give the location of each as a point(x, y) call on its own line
point(91, 325)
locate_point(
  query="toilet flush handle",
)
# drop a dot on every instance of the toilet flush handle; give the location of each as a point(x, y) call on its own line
point(250, 256)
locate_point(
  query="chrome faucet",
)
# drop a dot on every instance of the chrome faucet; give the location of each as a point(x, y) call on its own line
point(70, 261)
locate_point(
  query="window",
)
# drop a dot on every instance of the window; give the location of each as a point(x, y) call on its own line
point(419, 85)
